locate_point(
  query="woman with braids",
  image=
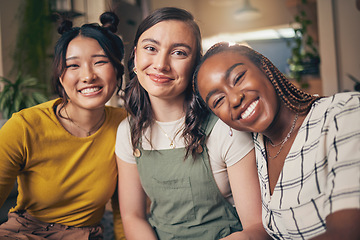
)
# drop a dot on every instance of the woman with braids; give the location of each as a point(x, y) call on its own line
point(62, 151)
point(307, 147)
point(199, 179)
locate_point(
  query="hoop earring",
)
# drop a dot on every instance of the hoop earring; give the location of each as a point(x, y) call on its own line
point(135, 70)
point(230, 132)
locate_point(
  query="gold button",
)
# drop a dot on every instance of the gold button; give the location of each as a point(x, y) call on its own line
point(137, 153)
point(199, 149)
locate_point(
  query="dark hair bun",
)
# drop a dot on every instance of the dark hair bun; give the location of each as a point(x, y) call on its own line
point(65, 26)
point(110, 21)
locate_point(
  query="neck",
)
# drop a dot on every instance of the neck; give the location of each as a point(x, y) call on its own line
point(168, 110)
point(283, 123)
point(81, 122)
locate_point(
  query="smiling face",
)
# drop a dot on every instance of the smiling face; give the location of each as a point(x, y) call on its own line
point(238, 92)
point(164, 59)
point(89, 78)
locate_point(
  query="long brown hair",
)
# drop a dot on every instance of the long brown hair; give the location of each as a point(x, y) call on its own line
point(137, 100)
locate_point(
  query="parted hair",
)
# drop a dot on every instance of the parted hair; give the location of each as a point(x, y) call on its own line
point(137, 100)
point(105, 35)
point(294, 98)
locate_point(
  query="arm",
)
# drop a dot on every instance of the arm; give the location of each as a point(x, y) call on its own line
point(118, 227)
point(132, 200)
point(11, 156)
point(344, 160)
point(245, 188)
point(343, 224)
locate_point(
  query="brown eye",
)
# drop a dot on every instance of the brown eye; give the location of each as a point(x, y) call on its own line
point(72, 66)
point(217, 102)
point(239, 77)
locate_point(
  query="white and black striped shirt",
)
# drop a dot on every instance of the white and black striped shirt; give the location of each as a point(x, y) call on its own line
point(321, 173)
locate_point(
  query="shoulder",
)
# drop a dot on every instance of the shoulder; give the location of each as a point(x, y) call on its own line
point(124, 125)
point(338, 101)
point(38, 117)
point(222, 131)
point(229, 148)
point(115, 114)
point(37, 112)
point(123, 130)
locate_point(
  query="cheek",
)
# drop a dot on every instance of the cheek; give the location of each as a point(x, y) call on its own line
point(223, 114)
point(67, 80)
point(141, 61)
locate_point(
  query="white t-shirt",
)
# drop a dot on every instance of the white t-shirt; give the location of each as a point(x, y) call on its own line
point(224, 150)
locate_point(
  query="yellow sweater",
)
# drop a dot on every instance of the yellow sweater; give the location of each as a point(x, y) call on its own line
point(62, 178)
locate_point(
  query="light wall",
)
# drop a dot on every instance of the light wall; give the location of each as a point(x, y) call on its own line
point(218, 18)
point(339, 38)
point(338, 20)
point(347, 35)
point(8, 31)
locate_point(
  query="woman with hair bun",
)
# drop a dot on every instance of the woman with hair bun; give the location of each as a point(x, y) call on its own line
point(62, 151)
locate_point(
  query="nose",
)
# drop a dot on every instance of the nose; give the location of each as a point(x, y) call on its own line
point(87, 74)
point(235, 98)
point(161, 62)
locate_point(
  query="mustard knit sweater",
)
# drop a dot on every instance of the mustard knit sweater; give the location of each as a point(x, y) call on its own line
point(62, 178)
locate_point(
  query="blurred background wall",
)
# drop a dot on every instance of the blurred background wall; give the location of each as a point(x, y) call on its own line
point(334, 29)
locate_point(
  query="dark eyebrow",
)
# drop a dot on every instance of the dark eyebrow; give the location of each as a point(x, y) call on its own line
point(100, 55)
point(209, 95)
point(94, 56)
point(173, 45)
point(227, 74)
point(71, 58)
point(181, 45)
point(151, 40)
point(230, 69)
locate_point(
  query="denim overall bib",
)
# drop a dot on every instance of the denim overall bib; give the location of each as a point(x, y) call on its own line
point(185, 200)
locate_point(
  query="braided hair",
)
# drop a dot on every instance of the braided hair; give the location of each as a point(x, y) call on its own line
point(104, 35)
point(294, 98)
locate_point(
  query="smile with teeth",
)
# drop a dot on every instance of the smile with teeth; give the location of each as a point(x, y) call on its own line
point(90, 90)
point(249, 110)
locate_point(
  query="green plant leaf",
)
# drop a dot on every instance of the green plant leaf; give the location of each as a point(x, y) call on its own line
point(6, 81)
point(29, 82)
point(6, 112)
point(23, 93)
point(18, 101)
point(30, 102)
point(5, 99)
point(39, 97)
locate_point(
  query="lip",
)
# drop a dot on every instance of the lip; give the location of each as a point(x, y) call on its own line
point(247, 110)
point(90, 90)
point(160, 78)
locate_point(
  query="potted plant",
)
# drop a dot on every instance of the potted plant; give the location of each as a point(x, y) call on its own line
point(22, 93)
point(304, 58)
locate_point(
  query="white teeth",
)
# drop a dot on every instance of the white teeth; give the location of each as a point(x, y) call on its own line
point(90, 90)
point(249, 110)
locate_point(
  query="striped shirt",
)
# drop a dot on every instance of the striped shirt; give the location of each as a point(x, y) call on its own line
point(321, 173)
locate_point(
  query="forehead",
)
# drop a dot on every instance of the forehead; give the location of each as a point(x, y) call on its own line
point(83, 45)
point(223, 61)
point(172, 31)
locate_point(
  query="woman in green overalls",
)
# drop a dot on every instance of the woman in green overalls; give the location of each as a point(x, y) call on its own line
point(199, 176)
